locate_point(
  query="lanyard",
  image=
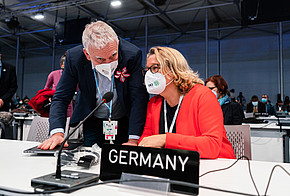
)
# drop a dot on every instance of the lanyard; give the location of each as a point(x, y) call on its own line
point(175, 115)
point(112, 88)
point(0, 68)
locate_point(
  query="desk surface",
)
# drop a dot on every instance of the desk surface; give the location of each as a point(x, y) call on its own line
point(265, 126)
point(17, 170)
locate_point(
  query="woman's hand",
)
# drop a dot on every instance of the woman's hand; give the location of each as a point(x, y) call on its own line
point(155, 141)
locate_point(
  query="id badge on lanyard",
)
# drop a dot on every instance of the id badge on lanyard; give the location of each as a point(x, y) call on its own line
point(109, 127)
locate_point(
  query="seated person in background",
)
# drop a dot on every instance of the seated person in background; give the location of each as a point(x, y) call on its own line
point(232, 95)
point(255, 105)
point(242, 100)
point(280, 107)
point(286, 101)
point(24, 104)
point(286, 104)
point(184, 114)
point(15, 103)
point(232, 111)
point(270, 108)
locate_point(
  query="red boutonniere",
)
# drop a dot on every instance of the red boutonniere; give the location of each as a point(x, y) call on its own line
point(122, 74)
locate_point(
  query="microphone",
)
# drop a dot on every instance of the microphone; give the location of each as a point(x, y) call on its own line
point(77, 178)
point(106, 98)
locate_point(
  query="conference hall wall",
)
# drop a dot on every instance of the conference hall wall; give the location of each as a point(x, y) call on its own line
point(249, 64)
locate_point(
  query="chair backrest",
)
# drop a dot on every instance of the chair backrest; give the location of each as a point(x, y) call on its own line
point(39, 129)
point(240, 138)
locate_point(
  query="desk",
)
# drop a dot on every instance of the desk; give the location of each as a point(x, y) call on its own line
point(17, 170)
point(267, 142)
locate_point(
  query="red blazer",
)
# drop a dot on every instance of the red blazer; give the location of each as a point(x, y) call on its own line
point(199, 124)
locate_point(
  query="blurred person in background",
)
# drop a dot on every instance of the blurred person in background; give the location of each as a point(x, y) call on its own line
point(8, 84)
point(255, 106)
point(53, 79)
point(242, 100)
point(270, 108)
point(232, 111)
point(280, 107)
point(286, 101)
point(232, 95)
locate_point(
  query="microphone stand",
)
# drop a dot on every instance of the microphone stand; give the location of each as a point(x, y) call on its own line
point(58, 165)
point(71, 178)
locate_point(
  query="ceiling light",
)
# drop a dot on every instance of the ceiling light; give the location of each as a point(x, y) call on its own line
point(39, 16)
point(116, 3)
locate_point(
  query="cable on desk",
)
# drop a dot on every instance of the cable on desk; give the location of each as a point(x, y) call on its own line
point(118, 181)
point(249, 166)
point(270, 177)
point(266, 125)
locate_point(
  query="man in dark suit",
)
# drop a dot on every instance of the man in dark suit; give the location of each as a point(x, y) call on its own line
point(255, 106)
point(270, 108)
point(103, 63)
point(8, 84)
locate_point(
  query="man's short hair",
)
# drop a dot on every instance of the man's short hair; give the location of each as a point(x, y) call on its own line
point(98, 34)
point(255, 97)
point(265, 95)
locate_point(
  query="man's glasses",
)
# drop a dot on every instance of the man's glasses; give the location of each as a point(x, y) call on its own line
point(153, 68)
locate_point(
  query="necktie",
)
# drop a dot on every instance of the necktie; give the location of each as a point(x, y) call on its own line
point(255, 109)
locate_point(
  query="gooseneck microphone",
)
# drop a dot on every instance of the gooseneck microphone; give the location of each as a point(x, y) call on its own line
point(70, 178)
point(106, 98)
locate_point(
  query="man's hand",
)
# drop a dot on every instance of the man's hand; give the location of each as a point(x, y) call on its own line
point(1, 103)
point(52, 142)
point(154, 141)
point(131, 142)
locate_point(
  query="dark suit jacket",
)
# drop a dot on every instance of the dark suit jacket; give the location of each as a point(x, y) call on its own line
point(261, 107)
point(8, 84)
point(132, 93)
point(233, 113)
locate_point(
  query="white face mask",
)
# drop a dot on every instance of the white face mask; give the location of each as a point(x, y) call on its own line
point(155, 83)
point(107, 69)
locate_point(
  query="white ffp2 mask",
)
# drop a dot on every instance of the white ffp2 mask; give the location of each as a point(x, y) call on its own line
point(155, 83)
point(107, 69)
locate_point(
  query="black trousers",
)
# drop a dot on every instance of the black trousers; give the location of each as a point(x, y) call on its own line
point(93, 131)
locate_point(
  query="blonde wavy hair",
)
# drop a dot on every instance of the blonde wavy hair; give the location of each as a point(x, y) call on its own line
point(173, 62)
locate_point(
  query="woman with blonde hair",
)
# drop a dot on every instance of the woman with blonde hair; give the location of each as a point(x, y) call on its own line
point(185, 114)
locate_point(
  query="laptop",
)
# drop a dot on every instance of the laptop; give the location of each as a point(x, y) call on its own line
point(71, 146)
